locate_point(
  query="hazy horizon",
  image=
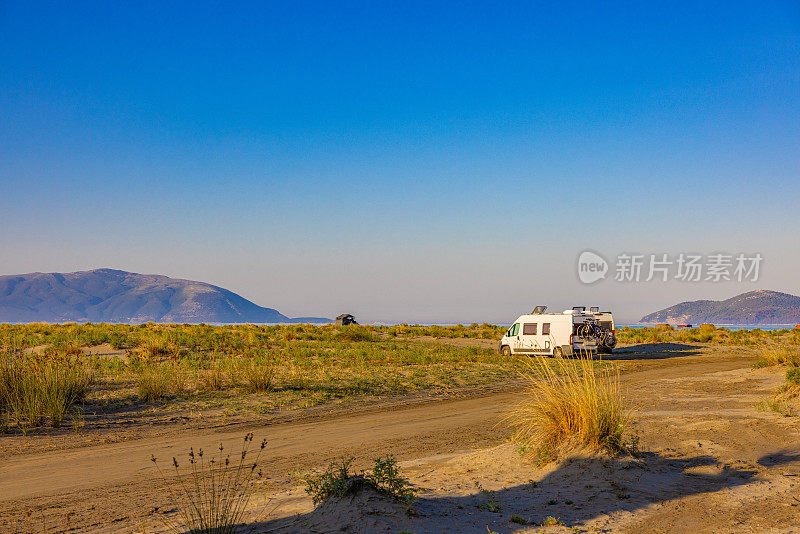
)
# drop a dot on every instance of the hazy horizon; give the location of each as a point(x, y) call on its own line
point(620, 318)
point(402, 162)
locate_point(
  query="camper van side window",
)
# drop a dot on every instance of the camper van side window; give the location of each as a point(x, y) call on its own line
point(545, 329)
point(529, 329)
point(513, 330)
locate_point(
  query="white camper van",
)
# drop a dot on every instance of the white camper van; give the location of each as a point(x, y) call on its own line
point(560, 334)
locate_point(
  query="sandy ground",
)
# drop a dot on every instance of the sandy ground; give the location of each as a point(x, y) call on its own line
point(711, 462)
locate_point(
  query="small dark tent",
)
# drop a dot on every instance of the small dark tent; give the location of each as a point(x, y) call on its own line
point(345, 319)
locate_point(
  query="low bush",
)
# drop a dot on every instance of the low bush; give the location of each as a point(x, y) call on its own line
point(385, 476)
point(337, 481)
point(333, 482)
point(786, 401)
point(63, 349)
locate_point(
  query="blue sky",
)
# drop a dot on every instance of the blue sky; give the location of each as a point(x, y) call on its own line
point(432, 162)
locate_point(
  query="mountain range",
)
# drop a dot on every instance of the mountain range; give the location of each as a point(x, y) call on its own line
point(756, 308)
point(113, 296)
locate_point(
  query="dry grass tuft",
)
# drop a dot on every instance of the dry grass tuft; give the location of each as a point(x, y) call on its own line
point(571, 405)
point(213, 493)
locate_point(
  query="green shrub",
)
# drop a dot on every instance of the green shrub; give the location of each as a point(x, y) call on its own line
point(333, 482)
point(385, 476)
point(337, 481)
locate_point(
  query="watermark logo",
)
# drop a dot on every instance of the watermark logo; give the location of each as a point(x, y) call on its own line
point(592, 267)
point(717, 267)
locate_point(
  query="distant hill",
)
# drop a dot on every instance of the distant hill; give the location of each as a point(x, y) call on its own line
point(755, 307)
point(111, 296)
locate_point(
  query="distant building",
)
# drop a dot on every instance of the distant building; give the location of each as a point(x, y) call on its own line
point(345, 319)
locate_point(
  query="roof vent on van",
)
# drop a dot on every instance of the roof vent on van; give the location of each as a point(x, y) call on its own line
point(594, 309)
point(538, 310)
point(579, 309)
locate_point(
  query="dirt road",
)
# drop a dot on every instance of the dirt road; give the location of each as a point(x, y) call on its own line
point(88, 467)
point(113, 487)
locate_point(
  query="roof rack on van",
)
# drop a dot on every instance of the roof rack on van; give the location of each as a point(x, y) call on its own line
point(538, 310)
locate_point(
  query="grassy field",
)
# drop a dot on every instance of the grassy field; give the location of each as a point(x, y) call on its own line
point(626, 335)
point(232, 369)
point(76, 373)
point(708, 334)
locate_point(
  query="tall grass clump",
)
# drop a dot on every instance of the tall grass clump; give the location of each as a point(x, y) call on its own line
point(156, 345)
point(213, 378)
point(571, 405)
point(212, 494)
point(258, 375)
point(159, 380)
point(35, 387)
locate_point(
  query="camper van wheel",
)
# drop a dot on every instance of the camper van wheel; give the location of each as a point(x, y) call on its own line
point(506, 350)
point(558, 353)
